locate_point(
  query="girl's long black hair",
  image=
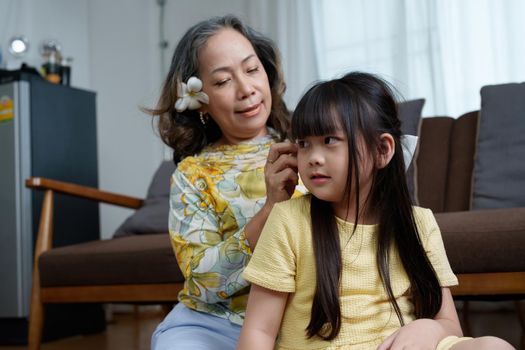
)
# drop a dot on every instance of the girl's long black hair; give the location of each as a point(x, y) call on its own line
point(364, 106)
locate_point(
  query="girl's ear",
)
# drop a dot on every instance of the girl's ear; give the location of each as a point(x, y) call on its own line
point(386, 150)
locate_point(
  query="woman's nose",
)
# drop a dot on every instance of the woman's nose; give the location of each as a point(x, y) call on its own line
point(245, 88)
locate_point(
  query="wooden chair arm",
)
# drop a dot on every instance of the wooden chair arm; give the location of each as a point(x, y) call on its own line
point(40, 183)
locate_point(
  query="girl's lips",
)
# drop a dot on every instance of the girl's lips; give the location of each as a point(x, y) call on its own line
point(319, 179)
point(252, 111)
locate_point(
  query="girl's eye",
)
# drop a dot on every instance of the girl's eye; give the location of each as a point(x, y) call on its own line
point(329, 140)
point(302, 143)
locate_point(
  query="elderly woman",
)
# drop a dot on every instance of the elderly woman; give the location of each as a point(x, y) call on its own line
point(221, 110)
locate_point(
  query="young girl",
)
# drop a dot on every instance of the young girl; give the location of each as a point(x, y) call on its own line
point(353, 265)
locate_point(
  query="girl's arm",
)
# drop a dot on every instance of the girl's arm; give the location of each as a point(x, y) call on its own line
point(447, 315)
point(263, 319)
point(444, 324)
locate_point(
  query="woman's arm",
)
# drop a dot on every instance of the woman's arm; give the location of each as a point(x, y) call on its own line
point(444, 324)
point(280, 175)
point(263, 319)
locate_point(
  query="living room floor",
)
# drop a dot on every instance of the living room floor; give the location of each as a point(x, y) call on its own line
point(132, 329)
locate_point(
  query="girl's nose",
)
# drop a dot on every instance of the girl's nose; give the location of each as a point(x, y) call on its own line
point(316, 157)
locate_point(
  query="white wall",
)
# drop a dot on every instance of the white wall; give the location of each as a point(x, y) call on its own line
point(126, 73)
point(123, 60)
point(115, 46)
point(62, 20)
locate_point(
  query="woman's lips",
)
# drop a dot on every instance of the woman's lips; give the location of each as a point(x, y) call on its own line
point(251, 111)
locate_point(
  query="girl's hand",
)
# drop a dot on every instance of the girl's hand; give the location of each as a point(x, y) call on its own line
point(280, 172)
point(420, 334)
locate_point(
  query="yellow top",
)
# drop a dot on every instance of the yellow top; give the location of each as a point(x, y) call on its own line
point(284, 261)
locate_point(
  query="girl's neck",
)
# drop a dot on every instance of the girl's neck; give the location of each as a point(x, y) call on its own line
point(349, 215)
point(347, 211)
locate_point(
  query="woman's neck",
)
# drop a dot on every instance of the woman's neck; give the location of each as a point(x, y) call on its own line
point(229, 140)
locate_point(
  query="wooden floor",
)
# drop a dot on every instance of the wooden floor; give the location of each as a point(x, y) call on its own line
point(127, 330)
point(131, 330)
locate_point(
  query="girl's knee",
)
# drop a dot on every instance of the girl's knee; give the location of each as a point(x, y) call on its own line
point(490, 342)
point(497, 343)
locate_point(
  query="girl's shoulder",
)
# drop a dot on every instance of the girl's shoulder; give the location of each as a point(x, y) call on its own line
point(422, 213)
point(300, 204)
point(425, 220)
point(293, 211)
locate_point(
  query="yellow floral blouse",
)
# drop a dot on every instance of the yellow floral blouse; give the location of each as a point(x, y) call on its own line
point(213, 195)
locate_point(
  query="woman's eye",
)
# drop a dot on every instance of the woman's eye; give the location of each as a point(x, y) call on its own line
point(253, 69)
point(222, 82)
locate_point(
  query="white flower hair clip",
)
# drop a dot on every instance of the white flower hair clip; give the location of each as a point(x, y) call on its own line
point(190, 95)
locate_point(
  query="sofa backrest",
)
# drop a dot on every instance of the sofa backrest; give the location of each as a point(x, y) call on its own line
point(445, 162)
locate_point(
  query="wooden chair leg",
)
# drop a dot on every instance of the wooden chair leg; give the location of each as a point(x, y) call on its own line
point(36, 319)
point(467, 330)
point(521, 318)
point(43, 243)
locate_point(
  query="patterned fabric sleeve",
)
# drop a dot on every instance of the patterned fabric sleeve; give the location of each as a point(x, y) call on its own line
point(435, 249)
point(273, 264)
point(210, 260)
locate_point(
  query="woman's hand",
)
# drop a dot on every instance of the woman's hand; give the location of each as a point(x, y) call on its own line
point(280, 172)
point(420, 334)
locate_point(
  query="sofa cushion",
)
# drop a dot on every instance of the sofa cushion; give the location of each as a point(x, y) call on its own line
point(461, 162)
point(152, 217)
point(432, 162)
point(409, 113)
point(480, 241)
point(499, 170)
point(126, 260)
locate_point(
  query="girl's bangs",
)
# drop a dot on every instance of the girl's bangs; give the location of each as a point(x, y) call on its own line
point(316, 114)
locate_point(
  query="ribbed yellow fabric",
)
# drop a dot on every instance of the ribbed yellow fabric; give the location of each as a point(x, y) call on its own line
point(284, 261)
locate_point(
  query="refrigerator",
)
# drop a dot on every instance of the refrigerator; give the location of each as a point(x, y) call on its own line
point(46, 130)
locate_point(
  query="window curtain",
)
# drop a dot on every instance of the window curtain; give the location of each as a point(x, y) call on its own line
point(442, 50)
point(480, 43)
point(289, 24)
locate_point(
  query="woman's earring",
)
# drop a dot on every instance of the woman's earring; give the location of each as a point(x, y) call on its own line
point(204, 117)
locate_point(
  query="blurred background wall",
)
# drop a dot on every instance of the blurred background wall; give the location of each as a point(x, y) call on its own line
point(441, 50)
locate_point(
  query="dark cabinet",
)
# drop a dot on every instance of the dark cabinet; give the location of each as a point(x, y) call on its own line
point(46, 130)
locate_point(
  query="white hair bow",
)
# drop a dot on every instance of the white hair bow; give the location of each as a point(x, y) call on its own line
point(409, 145)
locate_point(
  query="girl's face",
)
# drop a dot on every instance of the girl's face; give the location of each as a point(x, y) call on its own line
point(237, 85)
point(323, 165)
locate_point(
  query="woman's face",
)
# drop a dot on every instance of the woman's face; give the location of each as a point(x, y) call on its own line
point(237, 85)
